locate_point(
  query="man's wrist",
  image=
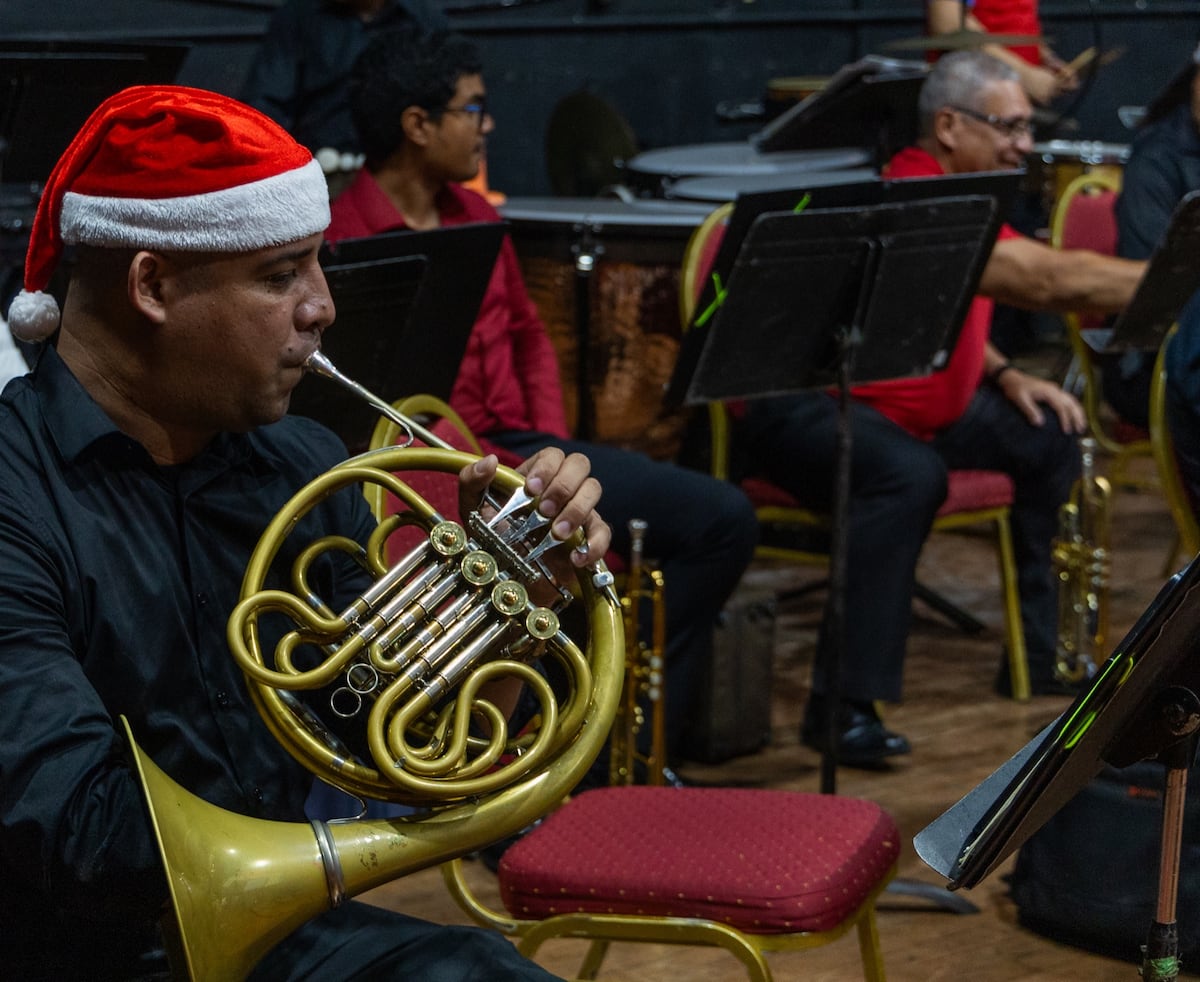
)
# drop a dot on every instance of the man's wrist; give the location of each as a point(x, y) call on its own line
point(994, 375)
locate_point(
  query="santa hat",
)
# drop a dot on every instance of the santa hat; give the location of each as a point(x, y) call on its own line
point(169, 167)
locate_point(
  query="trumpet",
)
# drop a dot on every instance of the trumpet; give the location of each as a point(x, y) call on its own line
point(411, 662)
point(642, 703)
point(1082, 562)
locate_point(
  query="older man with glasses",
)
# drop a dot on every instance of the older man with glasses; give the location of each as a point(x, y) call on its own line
point(981, 411)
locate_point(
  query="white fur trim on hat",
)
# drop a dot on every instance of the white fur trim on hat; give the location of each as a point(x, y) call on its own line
point(33, 316)
point(278, 209)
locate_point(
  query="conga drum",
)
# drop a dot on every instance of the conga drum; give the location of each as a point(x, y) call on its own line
point(1056, 163)
point(604, 275)
point(653, 172)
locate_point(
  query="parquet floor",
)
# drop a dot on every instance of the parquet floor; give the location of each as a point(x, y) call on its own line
point(960, 730)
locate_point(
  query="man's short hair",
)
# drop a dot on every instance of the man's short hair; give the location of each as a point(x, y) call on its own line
point(956, 80)
point(404, 68)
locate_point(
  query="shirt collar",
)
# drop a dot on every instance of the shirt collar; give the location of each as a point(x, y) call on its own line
point(77, 423)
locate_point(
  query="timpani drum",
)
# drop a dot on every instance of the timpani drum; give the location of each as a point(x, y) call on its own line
point(717, 190)
point(653, 172)
point(604, 275)
point(1056, 163)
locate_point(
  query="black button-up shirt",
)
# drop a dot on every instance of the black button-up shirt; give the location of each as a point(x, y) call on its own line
point(117, 577)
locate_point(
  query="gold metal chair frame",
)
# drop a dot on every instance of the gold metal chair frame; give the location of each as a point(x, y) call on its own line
point(1084, 367)
point(1178, 502)
point(603, 929)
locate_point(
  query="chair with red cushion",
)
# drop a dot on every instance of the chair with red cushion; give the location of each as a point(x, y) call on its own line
point(973, 497)
point(1084, 218)
point(748, 870)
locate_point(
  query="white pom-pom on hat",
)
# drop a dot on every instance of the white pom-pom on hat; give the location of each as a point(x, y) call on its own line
point(169, 167)
point(33, 316)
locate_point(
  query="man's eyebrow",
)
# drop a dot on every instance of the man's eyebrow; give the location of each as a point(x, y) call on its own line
point(291, 255)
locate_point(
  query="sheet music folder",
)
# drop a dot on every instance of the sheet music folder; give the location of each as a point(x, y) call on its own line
point(1171, 278)
point(902, 273)
point(406, 303)
point(1001, 186)
point(1117, 721)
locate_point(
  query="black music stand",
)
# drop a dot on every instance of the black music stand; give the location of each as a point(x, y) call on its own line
point(406, 302)
point(1172, 276)
point(1002, 186)
point(823, 299)
point(1142, 704)
point(48, 90)
point(868, 103)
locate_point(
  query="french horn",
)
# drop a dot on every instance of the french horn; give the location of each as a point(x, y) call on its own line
point(410, 661)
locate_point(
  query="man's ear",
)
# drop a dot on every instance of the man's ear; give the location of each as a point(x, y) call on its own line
point(144, 285)
point(946, 125)
point(415, 122)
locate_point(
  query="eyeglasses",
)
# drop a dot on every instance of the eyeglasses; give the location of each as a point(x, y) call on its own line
point(477, 109)
point(1011, 129)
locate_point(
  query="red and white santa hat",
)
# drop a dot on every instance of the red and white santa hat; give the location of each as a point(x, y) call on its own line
point(169, 167)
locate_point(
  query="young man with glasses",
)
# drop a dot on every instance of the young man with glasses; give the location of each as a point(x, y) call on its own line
point(419, 103)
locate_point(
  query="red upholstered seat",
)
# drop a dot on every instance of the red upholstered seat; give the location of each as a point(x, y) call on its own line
point(967, 490)
point(975, 490)
point(765, 862)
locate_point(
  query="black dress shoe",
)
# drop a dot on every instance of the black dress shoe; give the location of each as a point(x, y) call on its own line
point(861, 738)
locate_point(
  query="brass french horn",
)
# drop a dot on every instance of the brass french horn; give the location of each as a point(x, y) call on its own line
point(410, 661)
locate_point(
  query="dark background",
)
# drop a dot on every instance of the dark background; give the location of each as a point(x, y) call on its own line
point(665, 65)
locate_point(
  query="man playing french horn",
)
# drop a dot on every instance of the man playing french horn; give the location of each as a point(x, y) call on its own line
point(142, 459)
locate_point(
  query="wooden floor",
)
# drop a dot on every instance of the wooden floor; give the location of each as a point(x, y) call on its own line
point(960, 731)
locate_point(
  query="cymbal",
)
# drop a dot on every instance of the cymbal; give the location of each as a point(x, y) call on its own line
point(957, 40)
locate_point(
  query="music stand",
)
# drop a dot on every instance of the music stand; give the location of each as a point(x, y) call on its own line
point(1171, 277)
point(822, 299)
point(868, 103)
point(406, 303)
point(1142, 704)
point(48, 90)
point(1002, 186)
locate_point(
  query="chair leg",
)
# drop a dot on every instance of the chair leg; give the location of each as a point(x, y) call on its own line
point(868, 944)
point(593, 959)
point(1018, 658)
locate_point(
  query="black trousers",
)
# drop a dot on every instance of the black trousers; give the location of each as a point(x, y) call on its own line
point(897, 483)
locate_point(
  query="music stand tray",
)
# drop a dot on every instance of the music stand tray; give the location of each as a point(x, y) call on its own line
point(1172, 276)
point(1117, 721)
point(406, 303)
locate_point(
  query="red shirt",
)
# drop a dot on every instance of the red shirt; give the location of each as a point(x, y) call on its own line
point(509, 378)
point(1012, 17)
point(928, 404)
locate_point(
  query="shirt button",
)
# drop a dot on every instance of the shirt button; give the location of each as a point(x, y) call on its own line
point(223, 700)
point(202, 599)
point(257, 795)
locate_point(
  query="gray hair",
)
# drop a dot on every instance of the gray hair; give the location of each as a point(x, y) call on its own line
point(956, 80)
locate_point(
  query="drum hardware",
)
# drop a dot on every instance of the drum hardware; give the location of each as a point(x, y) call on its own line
point(418, 647)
